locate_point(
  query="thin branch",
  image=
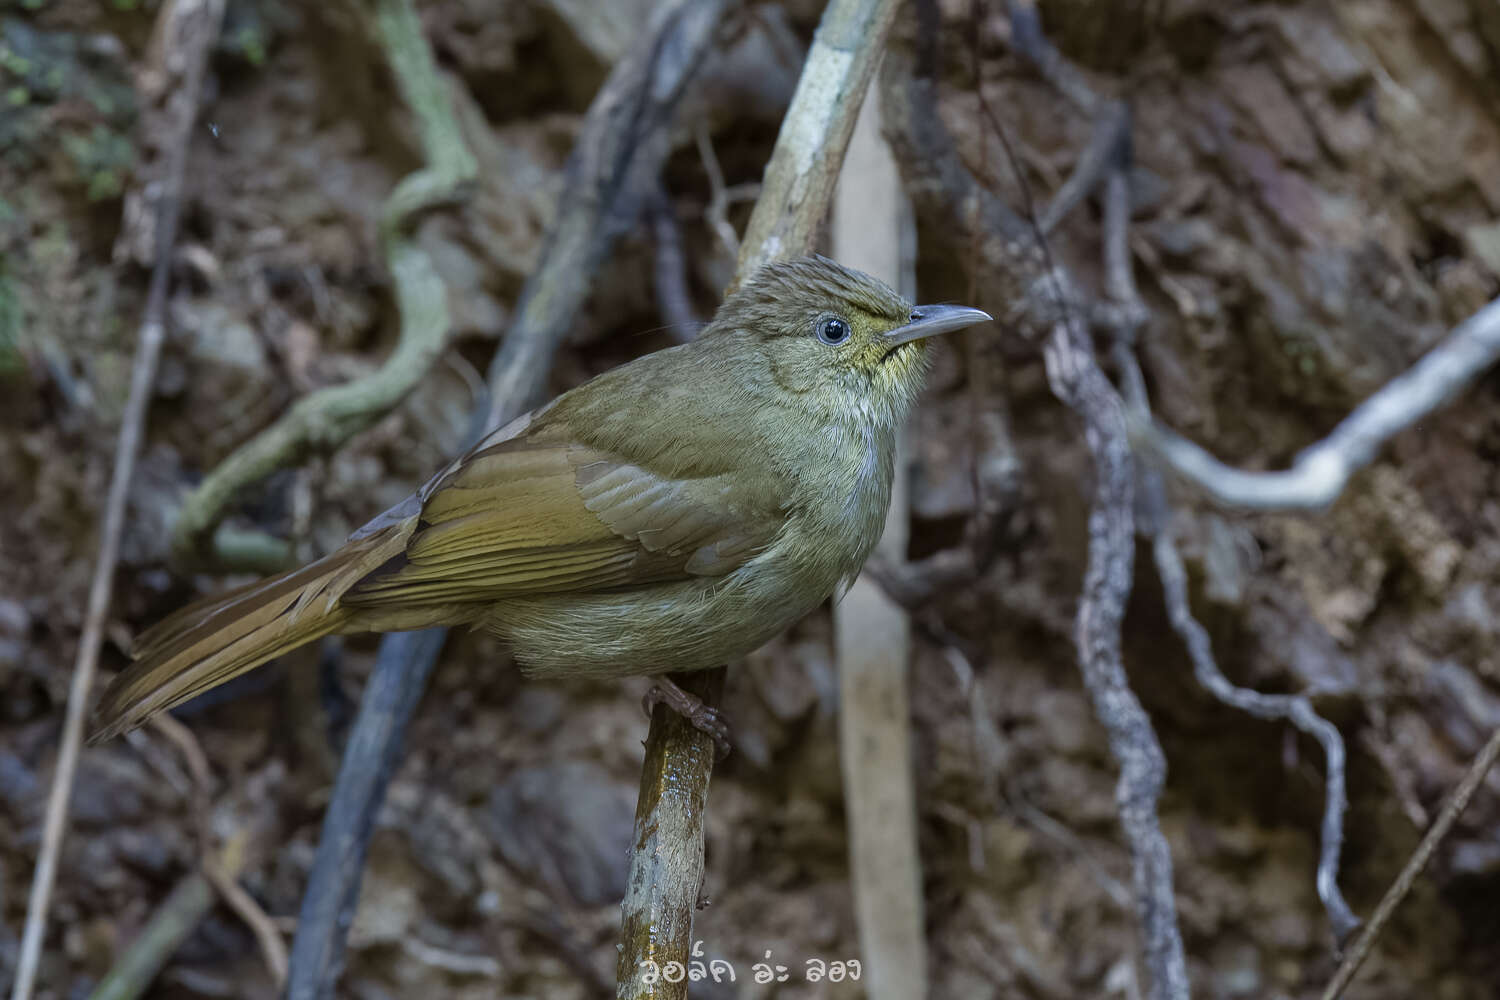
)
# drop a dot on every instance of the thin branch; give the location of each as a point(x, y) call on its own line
point(188, 31)
point(799, 182)
point(322, 421)
point(1320, 472)
point(871, 230)
point(717, 210)
point(616, 162)
point(1452, 809)
point(1077, 380)
point(1295, 708)
point(370, 758)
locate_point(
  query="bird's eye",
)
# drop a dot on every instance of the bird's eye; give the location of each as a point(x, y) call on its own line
point(832, 330)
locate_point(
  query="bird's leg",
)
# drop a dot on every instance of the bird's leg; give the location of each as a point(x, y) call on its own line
point(705, 718)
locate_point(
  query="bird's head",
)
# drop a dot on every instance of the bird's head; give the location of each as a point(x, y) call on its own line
point(836, 340)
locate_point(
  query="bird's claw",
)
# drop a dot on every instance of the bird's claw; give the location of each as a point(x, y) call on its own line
point(704, 718)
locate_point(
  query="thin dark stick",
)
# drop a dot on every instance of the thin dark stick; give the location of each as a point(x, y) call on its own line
point(373, 751)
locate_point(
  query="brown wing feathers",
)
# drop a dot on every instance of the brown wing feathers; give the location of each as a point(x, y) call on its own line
point(518, 517)
point(214, 640)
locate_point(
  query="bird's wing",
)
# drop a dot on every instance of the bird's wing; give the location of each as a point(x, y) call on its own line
point(530, 515)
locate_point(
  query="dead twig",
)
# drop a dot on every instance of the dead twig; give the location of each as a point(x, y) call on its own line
point(322, 421)
point(871, 230)
point(721, 197)
point(1296, 709)
point(222, 870)
point(616, 162)
point(1452, 809)
point(188, 30)
point(1077, 380)
point(1320, 472)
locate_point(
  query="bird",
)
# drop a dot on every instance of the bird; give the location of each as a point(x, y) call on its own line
point(673, 513)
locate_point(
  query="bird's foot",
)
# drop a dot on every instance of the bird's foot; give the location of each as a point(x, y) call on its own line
point(705, 718)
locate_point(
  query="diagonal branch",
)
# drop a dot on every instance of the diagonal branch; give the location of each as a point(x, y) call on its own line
point(1452, 810)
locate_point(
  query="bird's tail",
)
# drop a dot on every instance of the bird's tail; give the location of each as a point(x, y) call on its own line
point(216, 639)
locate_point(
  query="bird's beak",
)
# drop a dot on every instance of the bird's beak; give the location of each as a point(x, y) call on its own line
point(929, 321)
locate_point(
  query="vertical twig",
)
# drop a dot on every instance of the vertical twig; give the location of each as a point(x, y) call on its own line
point(872, 634)
point(189, 29)
point(666, 857)
point(370, 758)
point(1078, 381)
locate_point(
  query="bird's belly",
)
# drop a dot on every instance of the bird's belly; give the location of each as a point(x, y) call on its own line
point(679, 626)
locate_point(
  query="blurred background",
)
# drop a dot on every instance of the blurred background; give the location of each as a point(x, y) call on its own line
point(1315, 202)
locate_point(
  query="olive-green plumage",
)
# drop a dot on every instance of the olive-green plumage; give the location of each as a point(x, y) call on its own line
point(673, 513)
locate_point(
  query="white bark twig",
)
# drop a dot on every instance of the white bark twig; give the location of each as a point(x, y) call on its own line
point(1320, 473)
point(872, 231)
point(190, 28)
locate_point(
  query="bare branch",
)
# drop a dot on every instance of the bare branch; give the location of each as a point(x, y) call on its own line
point(187, 30)
point(1013, 254)
point(666, 856)
point(1320, 472)
point(1078, 381)
point(872, 230)
point(1295, 708)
